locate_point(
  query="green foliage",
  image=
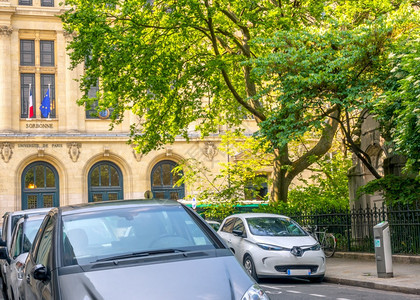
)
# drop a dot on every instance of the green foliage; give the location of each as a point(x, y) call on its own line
point(395, 189)
point(227, 188)
point(298, 67)
point(398, 110)
point(326, 189)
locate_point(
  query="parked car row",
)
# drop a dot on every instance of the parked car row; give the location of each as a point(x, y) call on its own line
point(18, 231)
point(271, 245)
point(121, 250)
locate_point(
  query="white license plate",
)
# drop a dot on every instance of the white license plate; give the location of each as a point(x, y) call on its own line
point(298, 272)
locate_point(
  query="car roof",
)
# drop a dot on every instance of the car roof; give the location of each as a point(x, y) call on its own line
point(105, 205)
point(31, 217)
point(28, 211)
point(258, 215)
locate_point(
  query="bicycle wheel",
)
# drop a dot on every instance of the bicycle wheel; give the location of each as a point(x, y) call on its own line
point(329, 244)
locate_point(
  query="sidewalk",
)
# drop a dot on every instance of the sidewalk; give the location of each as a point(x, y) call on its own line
point(359, 269)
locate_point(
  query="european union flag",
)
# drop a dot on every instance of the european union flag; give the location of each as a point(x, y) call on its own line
point(46, 104)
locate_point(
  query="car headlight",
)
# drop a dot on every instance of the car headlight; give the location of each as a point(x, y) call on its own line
point(255, 293)
point(315, 247)
point(271, 247)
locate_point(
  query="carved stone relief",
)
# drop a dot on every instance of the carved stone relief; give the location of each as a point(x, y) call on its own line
point(6, 151)
point(6, 30)
point(168, 151)
point(210, 150)
point(74, 151)
point(106, 151)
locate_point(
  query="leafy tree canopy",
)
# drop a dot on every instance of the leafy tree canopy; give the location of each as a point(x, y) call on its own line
point(295, 66)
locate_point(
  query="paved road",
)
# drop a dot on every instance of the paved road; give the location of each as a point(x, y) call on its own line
point(300, 289)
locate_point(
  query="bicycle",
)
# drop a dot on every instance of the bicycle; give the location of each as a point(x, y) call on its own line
point(327, 240)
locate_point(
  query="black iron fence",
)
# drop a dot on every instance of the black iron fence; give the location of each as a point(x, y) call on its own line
point(354, 228)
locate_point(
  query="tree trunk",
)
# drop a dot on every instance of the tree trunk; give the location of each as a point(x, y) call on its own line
point(280, 181)
point(285, 170)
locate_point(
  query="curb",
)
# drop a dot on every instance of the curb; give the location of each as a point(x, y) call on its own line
point(372, 285)
point(404, 259)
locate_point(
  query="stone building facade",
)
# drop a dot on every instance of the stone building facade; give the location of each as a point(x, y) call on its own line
point(382, 158)
point(69, 156)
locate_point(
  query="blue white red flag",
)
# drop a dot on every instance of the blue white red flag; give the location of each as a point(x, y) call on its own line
point(30, 104)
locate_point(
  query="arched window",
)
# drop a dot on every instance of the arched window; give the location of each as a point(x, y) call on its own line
point(105, 182)
point(163, 181)
point(40, 186)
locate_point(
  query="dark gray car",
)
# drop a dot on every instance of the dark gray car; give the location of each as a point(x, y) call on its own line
point(132, 249)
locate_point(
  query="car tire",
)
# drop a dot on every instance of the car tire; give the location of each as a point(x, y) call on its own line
point(250, 267)
point(317, 279)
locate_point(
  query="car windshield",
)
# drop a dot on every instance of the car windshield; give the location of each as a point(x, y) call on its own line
point(274, 226)
point(119, 233)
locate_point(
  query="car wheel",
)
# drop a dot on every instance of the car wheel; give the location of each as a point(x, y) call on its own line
point(250, 267)
point(317, 279)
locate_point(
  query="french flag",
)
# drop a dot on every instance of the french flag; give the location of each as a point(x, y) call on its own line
point(30, 104)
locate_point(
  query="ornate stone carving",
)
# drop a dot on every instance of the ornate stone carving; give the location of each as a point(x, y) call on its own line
point(168, 151)
point(6, 151)
point(41, 152)
point(74, 151)
point(106, 151)
point(210, 150)
point(6, 30)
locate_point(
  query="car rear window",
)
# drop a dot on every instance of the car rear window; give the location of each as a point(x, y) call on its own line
point(88, 237)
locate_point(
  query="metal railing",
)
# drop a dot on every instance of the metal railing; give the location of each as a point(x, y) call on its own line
point(353, 228)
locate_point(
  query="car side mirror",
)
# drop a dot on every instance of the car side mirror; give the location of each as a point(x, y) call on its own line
point(4, 254)
point(40, 272)
point(238, 232)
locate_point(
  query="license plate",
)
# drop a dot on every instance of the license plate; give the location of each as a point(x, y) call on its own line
point(298, 272)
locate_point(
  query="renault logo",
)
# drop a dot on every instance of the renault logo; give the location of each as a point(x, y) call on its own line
point(297, 251)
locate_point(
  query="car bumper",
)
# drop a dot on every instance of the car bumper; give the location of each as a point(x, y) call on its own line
point(285, 264)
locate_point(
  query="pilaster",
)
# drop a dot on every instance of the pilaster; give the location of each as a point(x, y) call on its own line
point(5, 79)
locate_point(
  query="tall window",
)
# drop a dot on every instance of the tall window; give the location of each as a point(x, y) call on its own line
point(27, 53)
point(47, 53)
point(92, 111)
point(27, 86)
point(48, 81)
point(37, 61)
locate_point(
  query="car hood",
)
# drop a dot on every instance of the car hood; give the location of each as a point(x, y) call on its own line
point(207, 278)
point(285, 241)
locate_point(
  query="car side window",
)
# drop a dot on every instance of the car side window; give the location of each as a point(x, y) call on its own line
point(228, 226)
point(16, 246)
point(45, 244)
point(4, 230)
point(239, 225)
